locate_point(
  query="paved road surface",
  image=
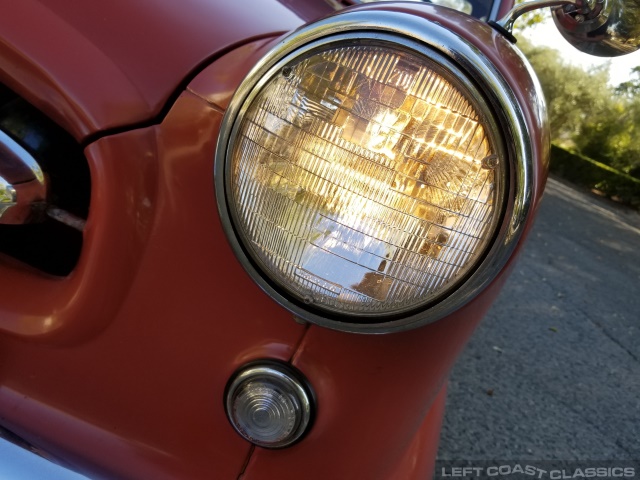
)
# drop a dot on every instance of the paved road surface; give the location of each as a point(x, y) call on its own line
point(553, 372)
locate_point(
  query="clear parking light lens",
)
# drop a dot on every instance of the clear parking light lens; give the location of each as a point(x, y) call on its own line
point(269, 404)
point(366, 179)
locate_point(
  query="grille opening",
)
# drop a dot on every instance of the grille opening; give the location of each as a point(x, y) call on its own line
point(49, 246)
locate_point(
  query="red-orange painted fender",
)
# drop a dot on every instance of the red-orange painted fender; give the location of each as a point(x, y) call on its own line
point(119, 369)
point(94, 67)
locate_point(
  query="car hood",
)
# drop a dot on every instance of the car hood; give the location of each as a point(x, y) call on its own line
point(99, 66)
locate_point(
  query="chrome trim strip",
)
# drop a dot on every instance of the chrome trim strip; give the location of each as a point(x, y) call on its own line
point(23, 190)
point(8, 197)
point(68, 218)
point(409, 30)
point(16, 161)
point(495, 9)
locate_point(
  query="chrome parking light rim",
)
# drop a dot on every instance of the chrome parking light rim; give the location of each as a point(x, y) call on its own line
point(291, 380)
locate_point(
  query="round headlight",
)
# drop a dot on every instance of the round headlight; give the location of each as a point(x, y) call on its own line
point(364, 176)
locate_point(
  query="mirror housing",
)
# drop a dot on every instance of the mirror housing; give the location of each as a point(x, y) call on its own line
point(604, 28)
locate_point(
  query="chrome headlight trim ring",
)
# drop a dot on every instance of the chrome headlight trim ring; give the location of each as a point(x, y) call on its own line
point(413, 33)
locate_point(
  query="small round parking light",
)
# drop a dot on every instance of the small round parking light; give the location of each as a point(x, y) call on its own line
point(269, 404)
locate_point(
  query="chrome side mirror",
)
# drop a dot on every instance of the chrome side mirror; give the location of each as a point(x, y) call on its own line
point(605, 28)
point(23, 189)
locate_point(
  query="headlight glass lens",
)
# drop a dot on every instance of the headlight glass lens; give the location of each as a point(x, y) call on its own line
point(365, 179)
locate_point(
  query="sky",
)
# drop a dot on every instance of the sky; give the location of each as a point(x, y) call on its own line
point(547, 34)
point(17, 463)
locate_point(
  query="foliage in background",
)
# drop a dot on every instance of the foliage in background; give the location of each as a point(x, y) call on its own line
point(586, 114)
point(588, 173)
point(527, 20)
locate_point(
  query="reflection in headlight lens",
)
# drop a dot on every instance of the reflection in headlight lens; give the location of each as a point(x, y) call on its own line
point(365, 179)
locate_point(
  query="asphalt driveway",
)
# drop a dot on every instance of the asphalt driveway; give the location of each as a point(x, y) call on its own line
point(552, 376)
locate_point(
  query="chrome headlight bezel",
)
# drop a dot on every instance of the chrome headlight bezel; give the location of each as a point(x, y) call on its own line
point(475, 72)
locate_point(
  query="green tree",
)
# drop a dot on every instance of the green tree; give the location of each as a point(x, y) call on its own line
point(573, 95)
point(611, 137)
point(527, 20)
point(631, 88)
point(585, 113)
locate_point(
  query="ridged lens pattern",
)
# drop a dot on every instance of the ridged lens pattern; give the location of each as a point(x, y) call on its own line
point(269, 404)
point(363, 179)
point(264, 412)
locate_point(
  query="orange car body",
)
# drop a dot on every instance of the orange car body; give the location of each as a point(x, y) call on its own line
point(118, 370)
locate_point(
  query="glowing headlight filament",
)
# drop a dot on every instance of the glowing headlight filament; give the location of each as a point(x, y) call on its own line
point(360, 176)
